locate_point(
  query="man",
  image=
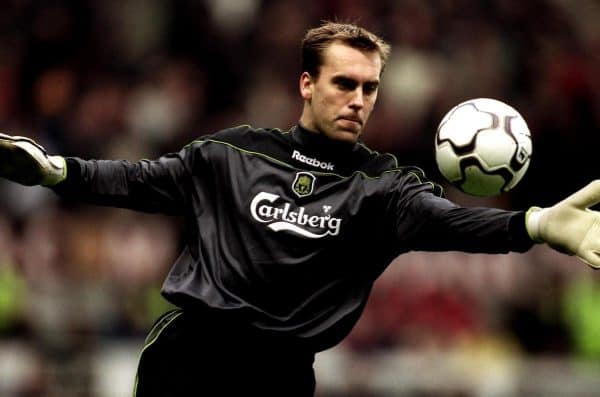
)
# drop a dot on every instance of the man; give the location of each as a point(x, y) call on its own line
point(288, 230)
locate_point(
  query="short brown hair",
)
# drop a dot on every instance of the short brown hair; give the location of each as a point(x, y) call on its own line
point(318, 39)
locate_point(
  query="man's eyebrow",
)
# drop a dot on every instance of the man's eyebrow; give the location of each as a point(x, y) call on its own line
point(342, 78)
point(348, 79)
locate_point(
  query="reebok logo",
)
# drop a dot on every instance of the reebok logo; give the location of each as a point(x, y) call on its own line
point(312, 161)
point(283, 217)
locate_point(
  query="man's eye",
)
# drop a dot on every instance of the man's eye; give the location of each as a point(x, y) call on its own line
point(369, 88)
point(346, 85)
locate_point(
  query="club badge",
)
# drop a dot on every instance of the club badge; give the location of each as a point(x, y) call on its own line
point(303, 184)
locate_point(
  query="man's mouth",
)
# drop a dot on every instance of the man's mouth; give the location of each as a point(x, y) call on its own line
point(351, 118)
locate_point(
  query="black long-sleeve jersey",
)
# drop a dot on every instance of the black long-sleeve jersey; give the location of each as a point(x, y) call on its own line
point(288, 229)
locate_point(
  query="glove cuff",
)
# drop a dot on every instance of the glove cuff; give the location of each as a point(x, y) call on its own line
point(532, 223)
point(56, 171)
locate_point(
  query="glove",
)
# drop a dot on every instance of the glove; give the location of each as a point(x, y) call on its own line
point(570, 226)
point(25, 162)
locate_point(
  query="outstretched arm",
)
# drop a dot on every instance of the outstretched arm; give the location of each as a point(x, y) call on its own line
point(425, 221)
point(151, 186)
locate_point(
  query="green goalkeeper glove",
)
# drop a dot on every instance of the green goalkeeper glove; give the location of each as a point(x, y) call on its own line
point(570, 226)
point(25, 162)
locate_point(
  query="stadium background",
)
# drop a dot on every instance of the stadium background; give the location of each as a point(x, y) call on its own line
point(136, 78)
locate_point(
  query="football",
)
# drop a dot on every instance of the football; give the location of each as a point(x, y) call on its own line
point(483, 147)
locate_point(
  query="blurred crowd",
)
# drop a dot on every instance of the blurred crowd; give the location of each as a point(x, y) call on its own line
point(132, 79)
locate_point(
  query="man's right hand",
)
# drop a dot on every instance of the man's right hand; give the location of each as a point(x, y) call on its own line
point(570, 226)
point(25, 162)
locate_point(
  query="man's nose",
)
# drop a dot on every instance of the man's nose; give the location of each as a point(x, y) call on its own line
point(357, 99)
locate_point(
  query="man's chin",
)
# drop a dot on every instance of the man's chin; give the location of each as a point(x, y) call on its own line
point(349, 136)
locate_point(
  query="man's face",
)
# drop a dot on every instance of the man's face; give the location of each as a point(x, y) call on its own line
point(339, 101)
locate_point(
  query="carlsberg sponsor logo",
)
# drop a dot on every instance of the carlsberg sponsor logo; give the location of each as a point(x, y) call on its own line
point(312, 161)
point(283, 217)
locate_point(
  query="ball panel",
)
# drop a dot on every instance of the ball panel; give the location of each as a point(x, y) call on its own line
point(518, 176)
point(519, 129)
point(448, 162)
point(458, 128)
point(479, 183)
point(494, 148)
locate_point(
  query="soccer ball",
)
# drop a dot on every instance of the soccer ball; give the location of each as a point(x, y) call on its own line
point(483, 147)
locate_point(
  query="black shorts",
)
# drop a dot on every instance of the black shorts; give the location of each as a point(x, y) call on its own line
point(197, 354)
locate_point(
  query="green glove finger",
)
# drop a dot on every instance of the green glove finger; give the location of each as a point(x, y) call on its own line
point(586, 197)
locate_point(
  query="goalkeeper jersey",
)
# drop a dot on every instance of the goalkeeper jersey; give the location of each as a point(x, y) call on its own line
point(288, 230)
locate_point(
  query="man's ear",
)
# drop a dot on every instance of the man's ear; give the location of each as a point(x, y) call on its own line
point(306, 86)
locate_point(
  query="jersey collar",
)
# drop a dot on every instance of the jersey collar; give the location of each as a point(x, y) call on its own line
point(319, 142)
point(347, 157)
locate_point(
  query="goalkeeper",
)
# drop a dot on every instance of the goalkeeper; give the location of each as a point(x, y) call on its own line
point(288, 230)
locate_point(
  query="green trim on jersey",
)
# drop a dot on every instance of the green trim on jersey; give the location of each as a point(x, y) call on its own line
point(283, 163)
point(372, 151)
point(160, 325)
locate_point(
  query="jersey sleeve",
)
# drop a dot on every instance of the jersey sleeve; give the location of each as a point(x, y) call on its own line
point(156, 186)
point(426, 221)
